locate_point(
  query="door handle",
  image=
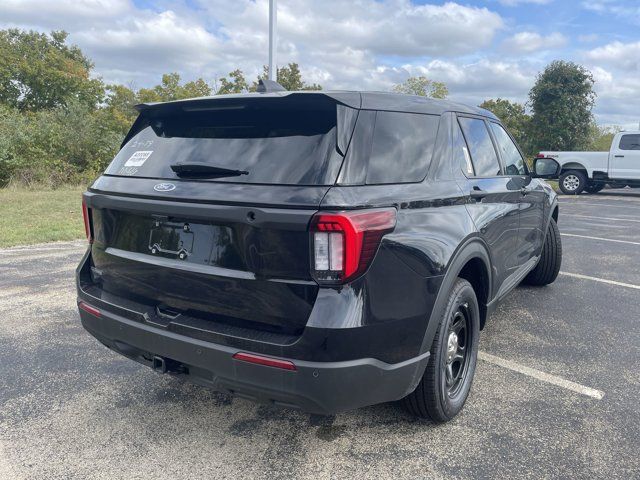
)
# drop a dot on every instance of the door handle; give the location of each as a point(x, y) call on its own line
point(618, 156)
point(478, 193)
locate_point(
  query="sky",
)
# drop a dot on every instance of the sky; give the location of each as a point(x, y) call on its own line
point(480, 49)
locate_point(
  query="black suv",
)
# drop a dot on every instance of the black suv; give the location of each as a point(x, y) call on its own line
point(319, 250)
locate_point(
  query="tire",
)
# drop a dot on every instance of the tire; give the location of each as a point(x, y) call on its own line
point(435, 398)
point(572, 182)
point(546, 271)
point(594, 187)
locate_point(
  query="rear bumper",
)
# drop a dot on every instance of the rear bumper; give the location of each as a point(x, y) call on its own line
point(316, 387)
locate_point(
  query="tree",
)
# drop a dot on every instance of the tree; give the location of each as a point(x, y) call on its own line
point(236, 84)
point(514, 117)
point(119, 110)
point(561, 101)
point(600, 138)
point(170, 89)
point(422, 86)
point(39, 71)
point(289, 77)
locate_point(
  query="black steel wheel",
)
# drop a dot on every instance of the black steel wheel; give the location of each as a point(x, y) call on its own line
point(458, 355)
point(446, 382)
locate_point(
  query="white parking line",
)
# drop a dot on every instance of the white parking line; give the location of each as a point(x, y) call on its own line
point(602, 218)
point(599, 238)
point(542, 376)
point(601, 280)
point(603, 204)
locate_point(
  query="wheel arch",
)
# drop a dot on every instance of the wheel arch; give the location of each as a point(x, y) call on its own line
point(470, 261)
point(573, 166)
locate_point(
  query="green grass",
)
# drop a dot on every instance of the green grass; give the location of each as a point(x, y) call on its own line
point(554, 185)
point(37, 216)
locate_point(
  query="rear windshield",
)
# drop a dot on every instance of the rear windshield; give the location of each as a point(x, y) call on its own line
point(276, 141)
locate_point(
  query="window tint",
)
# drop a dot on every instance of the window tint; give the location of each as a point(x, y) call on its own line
point(513, 161)
point(285, 141)
point(461, 152)
point(630, 142)
point(402, 147)
point(483, 155)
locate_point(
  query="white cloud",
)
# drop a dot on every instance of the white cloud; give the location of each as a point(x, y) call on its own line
point(617, 102)
point(61, 14)
point(625, 56)
point(163, 39)
point(513, 3)
point(527, 42)
point(358, 44)
point(393, 27)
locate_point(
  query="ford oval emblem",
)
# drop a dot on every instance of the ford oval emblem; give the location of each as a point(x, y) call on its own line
point(164, 187)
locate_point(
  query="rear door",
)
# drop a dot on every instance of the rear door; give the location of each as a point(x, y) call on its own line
point(212, 244)
point(494, 203)
point(625, 157)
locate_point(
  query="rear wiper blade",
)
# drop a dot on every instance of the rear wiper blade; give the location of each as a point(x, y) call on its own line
point(198, 169)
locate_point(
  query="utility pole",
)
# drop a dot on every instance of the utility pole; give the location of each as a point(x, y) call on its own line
point(273, 39)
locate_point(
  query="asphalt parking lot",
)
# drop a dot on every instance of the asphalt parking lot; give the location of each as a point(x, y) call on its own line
point(555, 395)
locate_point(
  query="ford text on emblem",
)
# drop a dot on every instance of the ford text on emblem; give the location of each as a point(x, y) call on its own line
point(164, 187)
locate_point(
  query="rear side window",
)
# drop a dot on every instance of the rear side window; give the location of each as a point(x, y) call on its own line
point(288, 140)
point(630, 142)
point(513, 161)
point(483, 154)
point(402, 147)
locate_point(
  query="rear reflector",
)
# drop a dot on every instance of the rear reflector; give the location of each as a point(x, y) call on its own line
point(89, 309)
point(266, 361)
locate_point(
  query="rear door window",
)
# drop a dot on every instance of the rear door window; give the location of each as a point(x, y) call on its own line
point(513, 161)
point(277, 141)
point(483, 154)
point(630, 142)
point(402, 147)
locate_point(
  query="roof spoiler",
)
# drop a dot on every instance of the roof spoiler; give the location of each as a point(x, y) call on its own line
point(269, 86)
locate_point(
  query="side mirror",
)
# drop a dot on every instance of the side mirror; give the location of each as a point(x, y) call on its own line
point(546, 168)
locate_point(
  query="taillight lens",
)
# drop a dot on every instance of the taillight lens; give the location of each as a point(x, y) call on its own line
point(540, 155)
point(86, 215)
point(344, 243)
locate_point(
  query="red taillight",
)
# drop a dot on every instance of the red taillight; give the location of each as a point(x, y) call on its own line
point(266, 361)
point(540, 155)
point(89, 309)
point(344, 243)
point(86, 215)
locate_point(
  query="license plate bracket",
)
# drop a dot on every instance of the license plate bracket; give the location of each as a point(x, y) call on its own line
point(172, 239)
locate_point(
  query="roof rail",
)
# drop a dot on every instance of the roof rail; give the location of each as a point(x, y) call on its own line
point(269, 86)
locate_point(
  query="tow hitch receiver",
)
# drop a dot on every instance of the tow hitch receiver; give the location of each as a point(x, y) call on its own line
point(166, 365)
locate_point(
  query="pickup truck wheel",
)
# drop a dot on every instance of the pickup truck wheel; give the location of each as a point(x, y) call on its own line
point(546, 271)
point(446, 382)
point(594, 187)
point(572, 182)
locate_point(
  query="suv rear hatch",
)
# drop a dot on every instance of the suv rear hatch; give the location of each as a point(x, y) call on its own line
point(202, 218)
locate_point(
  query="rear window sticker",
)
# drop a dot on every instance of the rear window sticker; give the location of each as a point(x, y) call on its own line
point(138, 158)
point(128, 171)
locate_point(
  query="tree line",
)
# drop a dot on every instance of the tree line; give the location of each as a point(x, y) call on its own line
point(59, 124)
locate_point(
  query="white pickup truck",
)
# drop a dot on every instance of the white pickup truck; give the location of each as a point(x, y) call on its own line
point(591, 171)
